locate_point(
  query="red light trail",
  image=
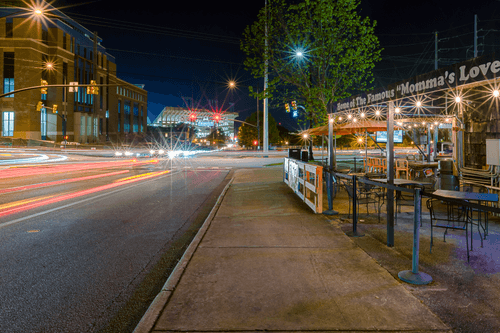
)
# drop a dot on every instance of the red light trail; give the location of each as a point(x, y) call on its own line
point(47, 201)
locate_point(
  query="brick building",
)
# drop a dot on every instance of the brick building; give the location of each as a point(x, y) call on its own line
point(59, 50)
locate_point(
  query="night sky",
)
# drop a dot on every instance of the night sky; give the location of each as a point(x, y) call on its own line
point(191, 48)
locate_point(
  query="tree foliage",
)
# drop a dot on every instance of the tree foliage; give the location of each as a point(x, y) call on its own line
point(338, 46)
point(247, 134)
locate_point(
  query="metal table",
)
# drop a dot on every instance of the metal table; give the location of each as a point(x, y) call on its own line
point(465, 214)
point(399, 197)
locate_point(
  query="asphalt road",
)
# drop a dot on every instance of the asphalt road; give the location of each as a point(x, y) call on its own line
point(77, 246)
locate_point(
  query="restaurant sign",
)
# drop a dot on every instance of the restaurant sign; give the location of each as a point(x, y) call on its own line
point(474, 70)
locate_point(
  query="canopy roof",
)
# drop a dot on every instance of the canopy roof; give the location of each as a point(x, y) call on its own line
point(359, 126)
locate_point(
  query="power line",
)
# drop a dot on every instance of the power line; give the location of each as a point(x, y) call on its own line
point(109, 23)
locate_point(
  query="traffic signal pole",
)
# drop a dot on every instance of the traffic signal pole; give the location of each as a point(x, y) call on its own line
point(59, 86)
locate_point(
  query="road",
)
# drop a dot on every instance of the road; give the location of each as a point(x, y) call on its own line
point(85, 245)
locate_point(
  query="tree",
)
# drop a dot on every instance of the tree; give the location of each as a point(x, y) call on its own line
point(247, 134)
point(217, 135)
point(318, 51)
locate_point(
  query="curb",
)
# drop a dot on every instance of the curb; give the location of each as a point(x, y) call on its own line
point(153, 312)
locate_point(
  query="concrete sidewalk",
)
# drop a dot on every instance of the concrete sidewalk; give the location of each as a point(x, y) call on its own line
point(264, 261)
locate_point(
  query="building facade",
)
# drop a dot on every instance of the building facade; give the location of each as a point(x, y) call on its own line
point(60, 51)
point(204, 121)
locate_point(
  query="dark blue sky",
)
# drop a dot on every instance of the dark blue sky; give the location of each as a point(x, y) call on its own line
point(191, 48)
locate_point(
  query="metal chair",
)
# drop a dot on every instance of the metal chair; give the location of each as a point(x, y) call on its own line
point(365, 195)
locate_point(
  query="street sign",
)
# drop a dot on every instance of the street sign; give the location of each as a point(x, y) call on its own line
point(75, 88)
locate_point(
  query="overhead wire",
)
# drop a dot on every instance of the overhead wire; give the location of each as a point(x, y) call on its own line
point(146, 28)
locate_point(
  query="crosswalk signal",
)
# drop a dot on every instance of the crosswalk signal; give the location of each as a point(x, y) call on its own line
point(54, 108)
point(43, 83)
point(287, 107)
point(39, 106)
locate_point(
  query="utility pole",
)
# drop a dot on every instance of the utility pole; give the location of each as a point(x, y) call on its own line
point(258, 121)
point(475, 35)
point(94, 74)
point(436, 51)
point(266, 106)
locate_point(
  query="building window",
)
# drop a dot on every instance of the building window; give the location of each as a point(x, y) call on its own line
point(89, 126)
point(9, 28)
point(8, 73)
point(82, 125)
point(8, 123)
point(8, 86)
point(65, 79)
point(45, 36)
point(126, 120)
point(95, 126)
point(43, 123)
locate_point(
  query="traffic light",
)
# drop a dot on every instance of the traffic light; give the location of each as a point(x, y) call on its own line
point(43, 83)
point(192, 117)
point(255, 142)
point(92, 89)
point(217, 118)
point(39, 106)
point(66, 137)
point(54, 108)
point(294, 105)
point(287, 107)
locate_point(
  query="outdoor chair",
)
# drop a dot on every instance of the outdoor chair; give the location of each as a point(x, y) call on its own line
point(402, 169)
point(365, 195)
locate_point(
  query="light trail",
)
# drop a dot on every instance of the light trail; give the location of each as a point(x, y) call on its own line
point(23, 202)
point(57, 182)
point(42, 170)
point(48, 201)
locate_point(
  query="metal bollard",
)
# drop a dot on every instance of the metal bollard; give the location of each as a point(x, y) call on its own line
point(414, 276)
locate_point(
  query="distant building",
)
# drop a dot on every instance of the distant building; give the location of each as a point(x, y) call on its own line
point(204, 121)
point(59, 51)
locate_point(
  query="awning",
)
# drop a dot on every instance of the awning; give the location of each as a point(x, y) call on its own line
point(359, 126)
